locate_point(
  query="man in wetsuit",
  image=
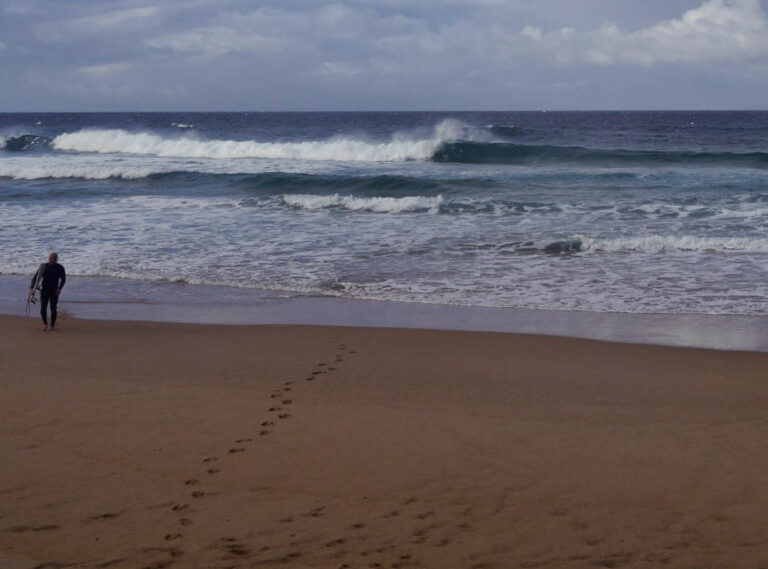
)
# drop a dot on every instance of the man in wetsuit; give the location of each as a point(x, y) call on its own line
point(52, 280)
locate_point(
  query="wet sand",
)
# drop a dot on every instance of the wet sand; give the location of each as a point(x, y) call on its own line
point(115, 299)
point(150, 445)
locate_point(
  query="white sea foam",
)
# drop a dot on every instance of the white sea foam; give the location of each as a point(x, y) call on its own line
point(39, 169)
point(662, 243)
point(375, 204)
point(400, 148)
point(34, 166)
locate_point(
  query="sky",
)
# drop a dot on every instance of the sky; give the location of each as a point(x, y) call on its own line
point(303, 55)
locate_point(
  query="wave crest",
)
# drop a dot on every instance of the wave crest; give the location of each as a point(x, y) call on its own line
point(685, 243)
point(375, 204)
point(473, 152)
point(24, 143)
point(400, 148)
point(84, 171)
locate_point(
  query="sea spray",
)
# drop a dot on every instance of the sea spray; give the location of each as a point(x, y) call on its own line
point(344, 149)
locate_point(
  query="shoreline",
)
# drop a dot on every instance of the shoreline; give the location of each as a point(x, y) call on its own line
point(115, 299)
point(149, 444)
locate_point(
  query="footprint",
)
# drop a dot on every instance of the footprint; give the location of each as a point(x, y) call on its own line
point(267, 423)
point(358, 525)
point(110, 563)
point(156, 565)
point(287, 401)
point(331, 369)
point(198, 494)
point(265, 432)
point(283, 416)
point(180, 507)
point(213, 470)
point(243, 440)
point(424, 515)
point(210, 459)
point(45, 527)
point(310, 378)
point(237, 549)
point(288, 389)
point(173, 536)
point(107, 516)
point(273, 409)
point(191, 482)
point(186, 522)
point(236, 450)
point(335, 542)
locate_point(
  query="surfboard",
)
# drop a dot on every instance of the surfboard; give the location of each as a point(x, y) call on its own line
point(32, 297)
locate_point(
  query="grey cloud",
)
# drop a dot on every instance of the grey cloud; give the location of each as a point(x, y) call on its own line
point(362, 54)
point(718, 30)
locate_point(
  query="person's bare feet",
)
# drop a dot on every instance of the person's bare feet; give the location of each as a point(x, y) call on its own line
point(45, 328)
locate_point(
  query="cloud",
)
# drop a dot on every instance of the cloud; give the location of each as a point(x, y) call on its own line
point(339, 68)
point(716, 31)
point(483, 35)
point(374, 53)
point(212, 41)
point(119, 22)
point(105, 69)
point(117, 18)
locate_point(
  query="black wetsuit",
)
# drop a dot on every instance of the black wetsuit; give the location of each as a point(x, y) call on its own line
point(53, 279)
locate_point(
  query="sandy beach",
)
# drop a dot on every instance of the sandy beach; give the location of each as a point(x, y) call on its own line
point(152, 445)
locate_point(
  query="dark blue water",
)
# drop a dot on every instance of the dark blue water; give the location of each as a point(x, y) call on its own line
point(616, 211)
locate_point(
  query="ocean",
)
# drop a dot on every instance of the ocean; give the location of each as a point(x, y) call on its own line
point(623, 212)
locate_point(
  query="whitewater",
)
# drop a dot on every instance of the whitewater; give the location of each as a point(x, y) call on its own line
point(601, 212)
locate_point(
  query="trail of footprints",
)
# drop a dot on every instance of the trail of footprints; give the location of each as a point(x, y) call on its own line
point(371, 542)
point(281, 400)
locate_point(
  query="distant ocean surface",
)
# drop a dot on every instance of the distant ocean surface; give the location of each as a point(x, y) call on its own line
point(639, 212)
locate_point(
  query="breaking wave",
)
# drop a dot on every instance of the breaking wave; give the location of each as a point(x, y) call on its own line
point(25, 143)
point(374, 204)
point(450, 141)
point(42, 170)
point(507, 153)
point(400, 148)
point(661, 243)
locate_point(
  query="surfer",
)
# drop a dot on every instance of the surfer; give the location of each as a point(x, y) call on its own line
point(51, 278)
